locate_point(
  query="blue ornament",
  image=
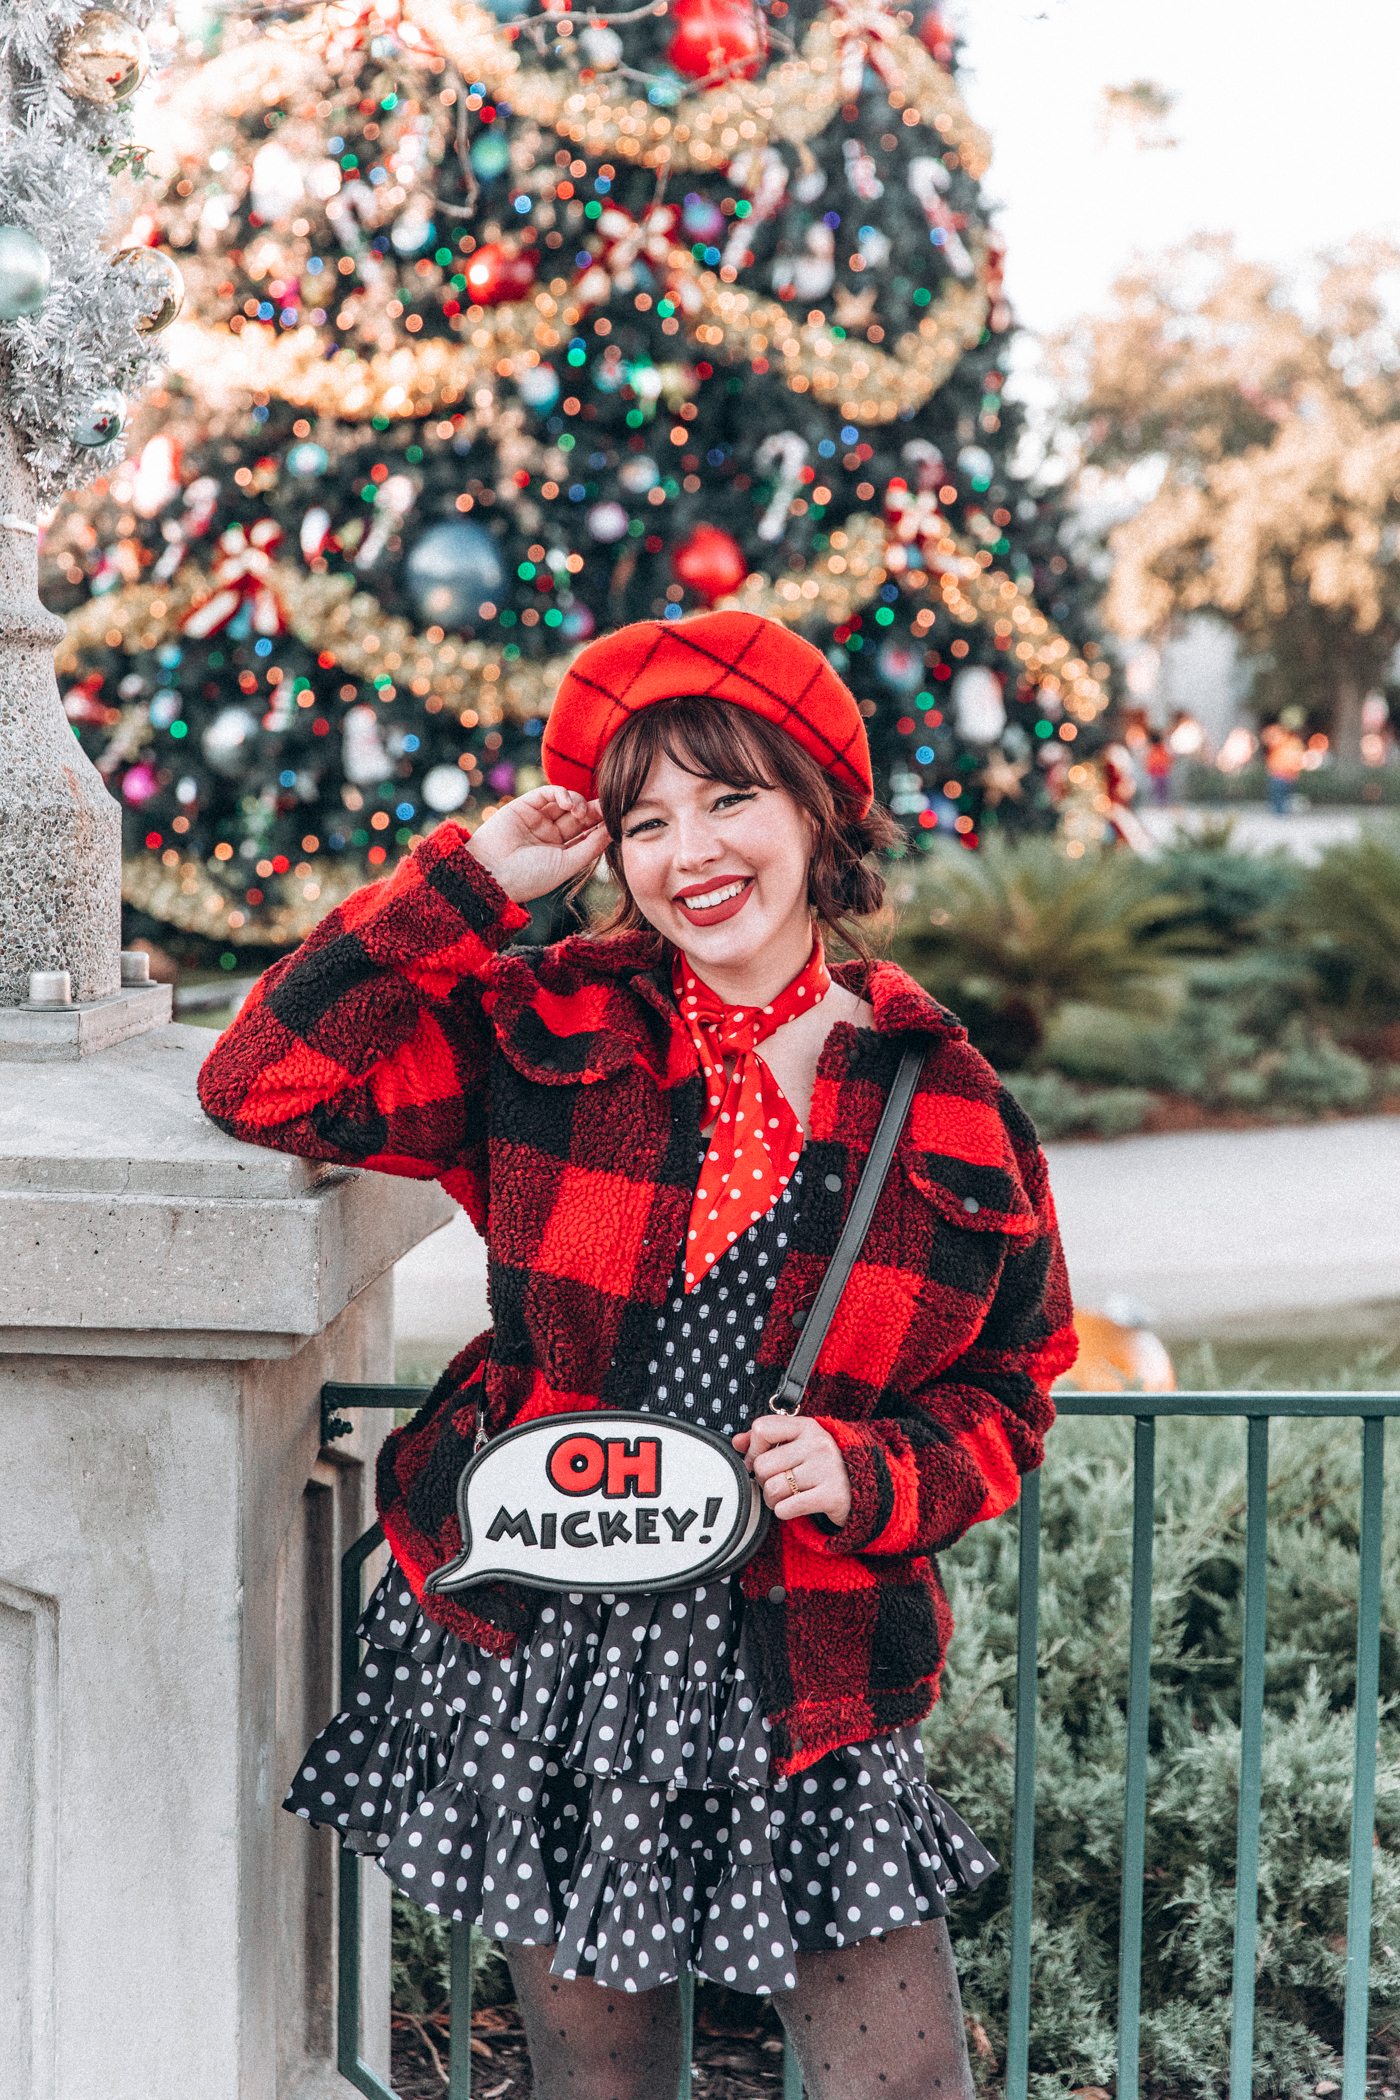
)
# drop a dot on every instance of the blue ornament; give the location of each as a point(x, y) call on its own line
point(578, 624)
point(490, 156)
point(453, 570)
point(665, 91)
point(507, 10)
point(538, 388)
point(702, 218)
point(307, 460)
point(165, 706)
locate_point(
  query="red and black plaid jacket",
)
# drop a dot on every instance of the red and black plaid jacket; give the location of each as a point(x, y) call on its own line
point(554, 1092)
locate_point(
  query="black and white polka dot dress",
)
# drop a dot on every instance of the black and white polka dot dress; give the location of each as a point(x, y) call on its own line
point(607, 1788)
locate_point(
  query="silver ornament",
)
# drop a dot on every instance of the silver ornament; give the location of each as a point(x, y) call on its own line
point(979, 705)
point(225, 741)
point(103, 58)
point(102, 420)
point(452, 571)
point(25, 271)
point(161, 286)
point(445, 788)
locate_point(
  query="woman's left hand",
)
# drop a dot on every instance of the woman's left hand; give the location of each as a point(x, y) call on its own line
point(798, 1466)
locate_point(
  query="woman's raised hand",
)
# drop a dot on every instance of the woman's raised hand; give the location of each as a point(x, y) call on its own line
point(540, 841)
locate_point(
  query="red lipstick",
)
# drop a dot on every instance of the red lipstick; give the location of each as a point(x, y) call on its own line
point(716, 914)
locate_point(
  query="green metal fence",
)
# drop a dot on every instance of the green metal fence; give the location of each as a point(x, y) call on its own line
point(1371, 1411)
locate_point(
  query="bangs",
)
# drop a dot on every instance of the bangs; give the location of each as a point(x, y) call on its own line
point(709, 739)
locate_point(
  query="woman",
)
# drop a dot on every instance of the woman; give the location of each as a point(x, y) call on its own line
point(658, 1127)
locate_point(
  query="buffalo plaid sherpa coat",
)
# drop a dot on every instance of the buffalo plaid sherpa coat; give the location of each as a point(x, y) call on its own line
point(554, 1092)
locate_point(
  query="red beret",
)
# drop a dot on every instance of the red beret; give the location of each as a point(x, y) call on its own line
point(736, 656)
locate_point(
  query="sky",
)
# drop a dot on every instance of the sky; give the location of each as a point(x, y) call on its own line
point(1288, 118)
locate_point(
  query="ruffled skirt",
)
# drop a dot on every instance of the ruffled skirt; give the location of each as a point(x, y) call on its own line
point(607, 1790)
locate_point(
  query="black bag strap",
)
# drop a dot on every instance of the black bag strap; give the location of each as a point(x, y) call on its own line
point(788, 1398)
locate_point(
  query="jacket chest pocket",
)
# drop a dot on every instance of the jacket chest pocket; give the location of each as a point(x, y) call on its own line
point(968, 1243)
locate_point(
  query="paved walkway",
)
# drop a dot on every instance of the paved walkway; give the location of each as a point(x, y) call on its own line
point(1306, 834)
point(1255, 1233)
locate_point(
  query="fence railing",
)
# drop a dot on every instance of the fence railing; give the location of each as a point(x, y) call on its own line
point(1371, 1411)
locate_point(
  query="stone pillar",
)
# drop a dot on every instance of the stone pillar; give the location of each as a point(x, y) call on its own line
point(60, 830)
point(170, 1533)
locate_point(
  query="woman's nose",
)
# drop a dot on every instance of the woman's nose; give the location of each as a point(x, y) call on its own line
point(697, 844)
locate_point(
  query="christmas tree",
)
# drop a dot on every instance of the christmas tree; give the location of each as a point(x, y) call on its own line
point(502, 331)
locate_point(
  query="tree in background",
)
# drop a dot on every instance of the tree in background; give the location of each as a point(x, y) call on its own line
point(504, 331)
point(1278, 428)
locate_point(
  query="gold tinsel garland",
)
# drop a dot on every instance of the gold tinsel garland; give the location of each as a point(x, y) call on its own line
point(328, 614)
point(188, 895)
point(792, 101)
point(420, 379)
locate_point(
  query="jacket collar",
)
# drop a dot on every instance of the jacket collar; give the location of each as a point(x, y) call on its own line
point(900, 1006)
point(535, 1005)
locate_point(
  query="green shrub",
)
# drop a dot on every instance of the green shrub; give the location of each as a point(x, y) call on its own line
point(1348, 912)
point(1230, 898)
point(421, 1968)
point(1058, 1109)
point(1008, 935)
point(1194, 1751)
point(1246, 1035)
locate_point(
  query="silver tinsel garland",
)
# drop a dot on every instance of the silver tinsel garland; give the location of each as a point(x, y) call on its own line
point(56, 151)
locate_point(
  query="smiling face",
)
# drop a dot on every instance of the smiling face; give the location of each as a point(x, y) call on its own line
point(721, 871)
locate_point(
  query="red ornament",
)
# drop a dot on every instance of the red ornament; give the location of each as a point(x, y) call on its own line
point(713, 34)
point(710, 563)
point(937, 37)
point(495, 275)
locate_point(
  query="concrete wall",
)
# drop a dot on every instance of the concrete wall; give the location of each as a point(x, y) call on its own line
point(170, 1540)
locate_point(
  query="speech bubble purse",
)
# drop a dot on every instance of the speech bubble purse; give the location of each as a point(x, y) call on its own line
point(618, 1500)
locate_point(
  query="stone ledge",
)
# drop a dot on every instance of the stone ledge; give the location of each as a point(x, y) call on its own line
point(64, 1034)
point(167, 1264)
point(124, 1210)
point(182, 1345)
point(128, 1122)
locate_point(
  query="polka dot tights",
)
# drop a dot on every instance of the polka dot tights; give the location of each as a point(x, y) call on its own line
point(880, 2020)
point(591, 2043)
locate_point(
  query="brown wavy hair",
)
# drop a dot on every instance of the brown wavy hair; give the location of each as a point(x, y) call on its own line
point(717, 740)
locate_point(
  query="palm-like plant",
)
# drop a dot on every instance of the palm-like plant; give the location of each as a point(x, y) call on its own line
point(1009, 935)
point(1349, 912)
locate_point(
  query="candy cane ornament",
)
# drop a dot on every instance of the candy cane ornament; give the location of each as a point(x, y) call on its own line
point(788, 452)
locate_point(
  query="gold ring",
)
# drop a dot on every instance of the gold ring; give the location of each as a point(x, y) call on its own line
point(793, 1488)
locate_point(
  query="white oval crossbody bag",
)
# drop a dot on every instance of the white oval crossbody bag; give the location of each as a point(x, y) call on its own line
point(617, 1499)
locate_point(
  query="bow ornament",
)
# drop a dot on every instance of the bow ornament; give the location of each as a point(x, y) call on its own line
point(242, 577)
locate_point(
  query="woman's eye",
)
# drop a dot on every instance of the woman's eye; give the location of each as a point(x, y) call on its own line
point(647, 824)
point(730, 801)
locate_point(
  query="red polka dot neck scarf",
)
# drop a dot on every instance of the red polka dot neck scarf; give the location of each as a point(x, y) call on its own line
point(757, 1139)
